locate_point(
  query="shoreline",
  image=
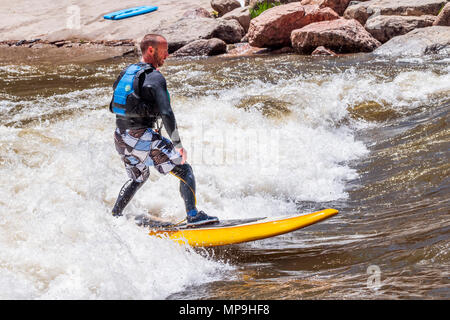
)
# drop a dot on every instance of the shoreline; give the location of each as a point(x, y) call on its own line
point(303, 27)
point(82, 51)
point(65, 51)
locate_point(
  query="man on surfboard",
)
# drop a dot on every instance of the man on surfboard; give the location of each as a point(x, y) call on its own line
point(140, 99)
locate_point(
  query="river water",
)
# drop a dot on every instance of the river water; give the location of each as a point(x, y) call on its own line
point(266, 136)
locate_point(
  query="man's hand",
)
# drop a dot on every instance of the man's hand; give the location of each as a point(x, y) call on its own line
point(183, 153)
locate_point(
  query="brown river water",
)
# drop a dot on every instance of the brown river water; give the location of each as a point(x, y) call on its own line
point(266, 136)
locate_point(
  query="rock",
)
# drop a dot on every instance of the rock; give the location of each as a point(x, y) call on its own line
point(322, 51)
point(186, 30)
point(224, 6)
point(341, 35)
point(362, 11)
point(241, 15)
point(358, 12)
point(353, 2)
point(282, 50)
point(419, 42)
point(203, 47)
point(229, 31)
point(60, 43)
point(26, 42)
point(412, 7)
point(383, 28)
point(197, 13)
point(443, 19)
point(273, 27)
point(244, 49)
point(338, 6)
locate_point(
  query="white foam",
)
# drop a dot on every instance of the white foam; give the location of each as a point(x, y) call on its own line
point(58, 239)
point(41, 107)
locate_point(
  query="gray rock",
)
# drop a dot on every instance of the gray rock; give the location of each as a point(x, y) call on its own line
point(419, 42)
point(188, 30)
point(242, 15)
point(203, 47)
point(362, 11)
point(224, 6)
point(383, 28)
point(229, 31)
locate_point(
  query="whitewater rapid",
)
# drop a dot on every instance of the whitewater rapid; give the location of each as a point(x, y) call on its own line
point(60, 173)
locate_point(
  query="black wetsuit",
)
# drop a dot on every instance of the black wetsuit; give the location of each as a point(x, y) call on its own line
point(152, 89)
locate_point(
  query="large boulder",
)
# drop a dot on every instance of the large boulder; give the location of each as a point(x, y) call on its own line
point(202, 47)
point(419, 42)
point(341, 36)
point(224, 6)
point(242, 15)
point(337, 5)
point(273, 27)
point(383, 28)
point(443, 19)
point(362, 11)
point(186, 30)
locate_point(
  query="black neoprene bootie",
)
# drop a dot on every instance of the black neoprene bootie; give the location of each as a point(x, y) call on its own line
point(199, 219)
point(127, 192)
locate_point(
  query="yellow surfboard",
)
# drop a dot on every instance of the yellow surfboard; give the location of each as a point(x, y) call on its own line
point(238, 231)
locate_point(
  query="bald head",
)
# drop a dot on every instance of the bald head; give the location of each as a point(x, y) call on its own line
point(152, 40)
point(154, 49)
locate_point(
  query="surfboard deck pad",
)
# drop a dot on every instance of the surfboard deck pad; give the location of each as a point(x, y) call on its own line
point(233, 231)
point(148, 222)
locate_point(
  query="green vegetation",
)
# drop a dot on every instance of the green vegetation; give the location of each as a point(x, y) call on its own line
point(261, 7)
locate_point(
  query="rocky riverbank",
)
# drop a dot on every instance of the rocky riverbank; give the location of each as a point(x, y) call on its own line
point(225, 27)
point(64, 51)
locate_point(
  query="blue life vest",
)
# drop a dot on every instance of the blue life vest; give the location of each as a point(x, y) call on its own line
point(132, 112)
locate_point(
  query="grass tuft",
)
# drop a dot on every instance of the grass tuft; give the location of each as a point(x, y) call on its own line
point(261, 7)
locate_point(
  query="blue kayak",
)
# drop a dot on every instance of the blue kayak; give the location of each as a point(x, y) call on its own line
point(131, 12)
